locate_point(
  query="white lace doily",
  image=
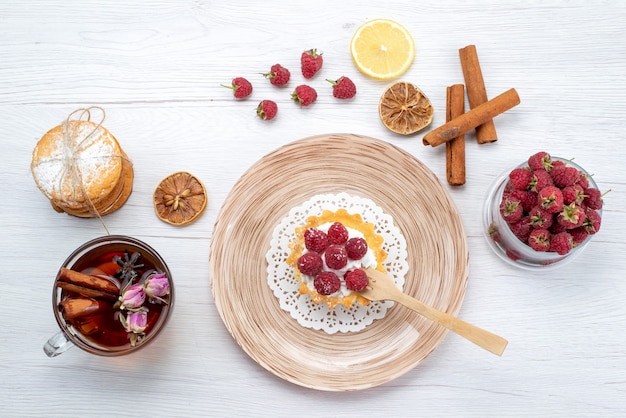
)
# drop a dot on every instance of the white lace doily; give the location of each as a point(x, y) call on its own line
point(286, 287)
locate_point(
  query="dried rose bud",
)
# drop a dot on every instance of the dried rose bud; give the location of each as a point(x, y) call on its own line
point(136, 322)
point(133, 297)
point(157, 286)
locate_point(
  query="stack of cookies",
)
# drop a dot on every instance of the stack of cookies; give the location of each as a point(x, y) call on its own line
point(81, 168)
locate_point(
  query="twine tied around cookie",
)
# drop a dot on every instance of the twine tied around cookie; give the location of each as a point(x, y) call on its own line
point(73, 144)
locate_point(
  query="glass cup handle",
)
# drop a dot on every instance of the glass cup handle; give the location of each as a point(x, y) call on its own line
point(57, 344)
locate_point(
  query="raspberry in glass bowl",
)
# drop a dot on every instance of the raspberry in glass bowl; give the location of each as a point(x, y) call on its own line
point(542, 213)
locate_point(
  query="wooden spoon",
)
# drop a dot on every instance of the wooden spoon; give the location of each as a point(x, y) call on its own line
point(381, 287)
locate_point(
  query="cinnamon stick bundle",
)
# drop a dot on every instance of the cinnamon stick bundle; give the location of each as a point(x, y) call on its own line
point(471, 119)
point(476, 91)
point(455, 148)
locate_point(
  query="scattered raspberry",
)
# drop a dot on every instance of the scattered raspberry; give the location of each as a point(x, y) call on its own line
point(592, 221)
point(526, 197)
point(540, 218)
point(311, 62)
point(336, 257)
point(267, 109)
point(337, 233)
point(356, 248)
point(572, 216)
point(520, 178)
point(551, 199)
point(310, 264)
point(561, 243)
point(573, 194)
point(315, 240)
point(579, 235)
point(540, 161)
point(343, 88)
point(593, 199)
point(356, 280)
point(540, 180)
point(539, 240)
point(278, 75)
point(511, 210)
point(304, 95)
point(326, 283)
point(564, 175)
point(241, 87)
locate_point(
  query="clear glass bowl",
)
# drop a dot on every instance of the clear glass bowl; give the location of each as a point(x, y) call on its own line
point(511, 249)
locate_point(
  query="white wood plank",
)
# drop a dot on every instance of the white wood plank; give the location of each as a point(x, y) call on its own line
point(156, 67)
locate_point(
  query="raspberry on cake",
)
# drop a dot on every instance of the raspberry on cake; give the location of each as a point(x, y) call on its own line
point(336, 257)
point(356, 248)
point(337, 233)
point(356, 280)
point(327, 283)
point(343, 244)
point(315, 240)
point(310, 264)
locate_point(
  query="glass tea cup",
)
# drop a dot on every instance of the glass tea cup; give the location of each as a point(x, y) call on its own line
point(508, 246)
point(112, 296)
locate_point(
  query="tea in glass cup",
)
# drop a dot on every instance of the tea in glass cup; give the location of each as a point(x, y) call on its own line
point(112, 296)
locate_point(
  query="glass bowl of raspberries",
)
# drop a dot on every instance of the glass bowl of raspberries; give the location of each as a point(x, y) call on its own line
point(542, 213)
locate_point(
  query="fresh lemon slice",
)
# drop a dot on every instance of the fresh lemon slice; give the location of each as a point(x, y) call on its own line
point(382, 49)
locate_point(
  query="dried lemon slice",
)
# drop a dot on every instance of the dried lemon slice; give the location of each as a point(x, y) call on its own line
point(180, 199)
point(382, 49)
point(405, 109)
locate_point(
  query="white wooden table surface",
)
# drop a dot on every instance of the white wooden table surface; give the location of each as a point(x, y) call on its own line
point(156, 67)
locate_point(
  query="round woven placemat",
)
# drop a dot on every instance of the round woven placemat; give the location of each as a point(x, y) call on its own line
point(404, 188)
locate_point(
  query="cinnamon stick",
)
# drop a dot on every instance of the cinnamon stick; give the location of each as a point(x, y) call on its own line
point(455, 149)
point(476, 91)
point(85, 280)
point(471, 119)
point(79, 307)
point(85, 291)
